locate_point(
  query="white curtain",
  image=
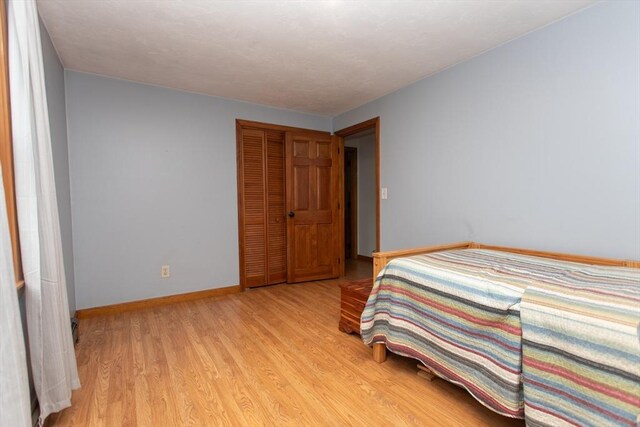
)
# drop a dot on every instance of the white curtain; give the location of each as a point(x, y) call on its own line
point(53, 360)
point(14, 383)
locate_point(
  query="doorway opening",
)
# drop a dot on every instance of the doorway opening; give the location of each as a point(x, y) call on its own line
point(350, 202)
point(361, 195)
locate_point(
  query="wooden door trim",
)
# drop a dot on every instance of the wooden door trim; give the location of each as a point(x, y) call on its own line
point(359, 127)
point(337, 144)
point(354, 202)
point(352, 130)
point(341, 202)
point(249, 124)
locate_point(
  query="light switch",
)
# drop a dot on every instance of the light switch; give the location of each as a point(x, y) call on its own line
point(383, 193)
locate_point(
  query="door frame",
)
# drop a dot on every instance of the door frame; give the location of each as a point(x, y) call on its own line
point(373, 123)
point(354, 201)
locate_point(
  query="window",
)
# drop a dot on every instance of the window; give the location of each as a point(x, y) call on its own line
point(6, 151)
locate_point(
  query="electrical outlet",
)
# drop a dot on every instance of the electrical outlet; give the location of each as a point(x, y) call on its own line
point(383, 193)
point(165, 271)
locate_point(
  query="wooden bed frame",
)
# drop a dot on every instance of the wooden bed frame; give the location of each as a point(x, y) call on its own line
point(380, 259)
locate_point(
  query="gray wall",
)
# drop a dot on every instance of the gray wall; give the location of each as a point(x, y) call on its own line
point(533, 144)
point(153, 182)
point(54, 81)
point(366, 146)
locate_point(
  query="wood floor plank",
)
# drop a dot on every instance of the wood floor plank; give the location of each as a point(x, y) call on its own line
point(353, 373)
point(269, 356)
point(305, 370)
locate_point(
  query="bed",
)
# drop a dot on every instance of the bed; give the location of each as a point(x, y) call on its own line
point(548, 337)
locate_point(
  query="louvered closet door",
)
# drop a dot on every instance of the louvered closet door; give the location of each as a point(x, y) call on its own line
point(263, 245)
point(276, 224)
point(253, 202)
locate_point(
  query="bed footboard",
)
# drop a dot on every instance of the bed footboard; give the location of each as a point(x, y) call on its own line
point(380, 259)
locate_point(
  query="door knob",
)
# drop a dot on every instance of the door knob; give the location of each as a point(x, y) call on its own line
point(292, 214)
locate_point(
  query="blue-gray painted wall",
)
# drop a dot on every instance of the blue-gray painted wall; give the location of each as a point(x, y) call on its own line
point(534, 144)
point(153, 182)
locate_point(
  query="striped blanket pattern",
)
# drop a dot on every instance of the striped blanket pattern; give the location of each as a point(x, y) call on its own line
point(458, 313)
point(494, 321)
point(581, 347)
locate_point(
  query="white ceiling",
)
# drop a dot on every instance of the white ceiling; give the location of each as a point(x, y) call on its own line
point(323, 56)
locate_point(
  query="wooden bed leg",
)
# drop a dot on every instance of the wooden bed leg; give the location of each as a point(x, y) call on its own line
point(425, 372)
point(379, 352)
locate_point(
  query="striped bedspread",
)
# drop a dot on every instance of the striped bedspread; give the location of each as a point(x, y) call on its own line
point(581, 347)
point(492, 321)
point(458, 312)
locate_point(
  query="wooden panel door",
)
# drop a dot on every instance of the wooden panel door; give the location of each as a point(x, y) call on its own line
point(313, 226)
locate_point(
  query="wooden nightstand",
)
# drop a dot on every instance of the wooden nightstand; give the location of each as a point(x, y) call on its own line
point(353, 298)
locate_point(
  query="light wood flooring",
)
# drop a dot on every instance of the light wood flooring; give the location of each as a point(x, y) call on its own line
point(270, 356)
